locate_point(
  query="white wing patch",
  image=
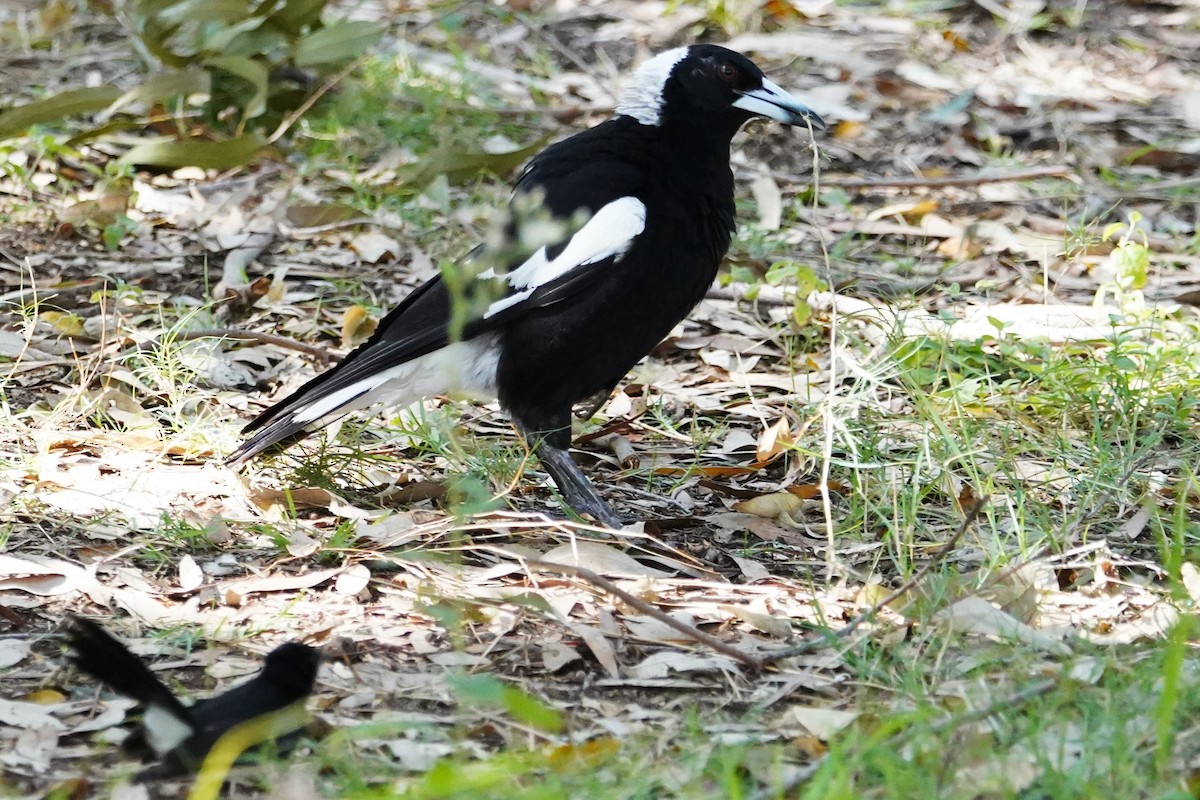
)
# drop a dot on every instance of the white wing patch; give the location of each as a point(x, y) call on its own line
point(608, 234)
point(643, 98)
point(164, 730)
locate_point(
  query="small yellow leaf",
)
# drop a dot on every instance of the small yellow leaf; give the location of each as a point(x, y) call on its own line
point(63, 323)
point(357, 325)
point(870, 594)
point(585, 755)
point(774, 441)
point(849, 129)
point(770, 505)
point(46, 697)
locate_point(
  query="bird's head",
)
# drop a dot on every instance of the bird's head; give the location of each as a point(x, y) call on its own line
point(292, 666)
point(706, 84)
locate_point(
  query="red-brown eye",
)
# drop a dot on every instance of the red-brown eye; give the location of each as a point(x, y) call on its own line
point(727, 72)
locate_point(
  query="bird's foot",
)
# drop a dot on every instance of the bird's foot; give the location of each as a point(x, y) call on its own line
point(577, 490)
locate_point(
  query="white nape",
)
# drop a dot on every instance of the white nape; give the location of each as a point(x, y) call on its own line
point(643, 98)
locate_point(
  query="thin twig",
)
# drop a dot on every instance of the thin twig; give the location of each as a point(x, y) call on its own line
point(691, 631)
point(905, 587)
point(311, 100)
point(319, 353)
point(725, 293)
point(950, 180)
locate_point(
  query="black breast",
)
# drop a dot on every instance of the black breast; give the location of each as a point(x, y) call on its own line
point(556, 356)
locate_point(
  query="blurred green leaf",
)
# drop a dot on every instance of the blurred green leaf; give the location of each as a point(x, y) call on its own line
point(487, 690)
point(296, 15)
point(259, 42)
point(225, 11)
point(253, 72)
point(155, 38)
point(109, 127)
point(459, 166)
point(533, 712)
point(311, 215)
point(193, 153)
point(17, 120)
point(239, 39)
point(166, 84)
point(341, 41)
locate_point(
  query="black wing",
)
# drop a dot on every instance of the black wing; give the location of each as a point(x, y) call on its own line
point(584, 173)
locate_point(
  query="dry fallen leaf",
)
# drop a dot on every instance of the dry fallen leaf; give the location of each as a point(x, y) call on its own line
point(664, 662)
point(353, 580)
point(602, 559)
point(976, 615)
point(823, 723)
point(47, 577)
point(771, 505)
point(601, 648)
point(374, 247)
point(190, 574)
point(12, 652)
point(357, 326)
point(774, 442)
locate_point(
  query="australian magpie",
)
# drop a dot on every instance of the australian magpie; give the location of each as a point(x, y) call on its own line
point(650, 196)
point(180, 736)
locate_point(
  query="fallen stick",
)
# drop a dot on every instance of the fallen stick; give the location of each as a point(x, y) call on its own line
point(318, 353)
point(949, 180)
point(691, 631)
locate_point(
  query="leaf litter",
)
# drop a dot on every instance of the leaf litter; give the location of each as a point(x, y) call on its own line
point(113, 502)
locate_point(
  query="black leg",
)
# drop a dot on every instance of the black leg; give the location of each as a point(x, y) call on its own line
point(576, 488)
point(551, 440)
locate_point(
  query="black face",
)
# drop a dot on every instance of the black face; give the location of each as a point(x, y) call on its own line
point(292, 665)
point(718, 88)
point(715, 77)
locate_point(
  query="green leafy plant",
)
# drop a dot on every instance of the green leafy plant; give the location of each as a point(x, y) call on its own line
point(218, 76)
point(1127, 267)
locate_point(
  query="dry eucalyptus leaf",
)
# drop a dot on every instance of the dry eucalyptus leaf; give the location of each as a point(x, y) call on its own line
point(773, 442)
point(1190, 575)
point(822, 722)
point(353, 580)
point(751, 569)
point(769, 199)
point(771, 505)
point(601, 559)
point(978, 616)
point(47, 577)
point(556, 655)
point(190, 574)
point(277, 583)
point(778, 627)
point(655, 630)
point(374, 247)
point(665, 662)
point(601, 648)
point(300, 544)
point(357, 325)
point(12, 652)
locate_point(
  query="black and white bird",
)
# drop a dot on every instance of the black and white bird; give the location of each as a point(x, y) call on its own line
point(178, 735)
point(655, 188)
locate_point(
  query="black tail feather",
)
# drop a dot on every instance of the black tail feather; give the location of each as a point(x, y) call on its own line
point(107, 660)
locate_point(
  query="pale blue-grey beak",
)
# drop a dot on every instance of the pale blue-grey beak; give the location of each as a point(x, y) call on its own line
point(774, 103)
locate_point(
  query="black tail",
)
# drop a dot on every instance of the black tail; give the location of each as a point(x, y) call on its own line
point(107, 660)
